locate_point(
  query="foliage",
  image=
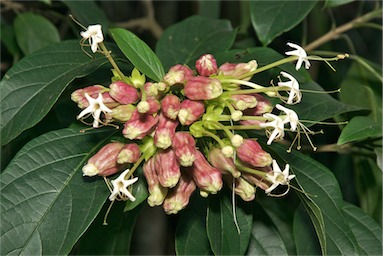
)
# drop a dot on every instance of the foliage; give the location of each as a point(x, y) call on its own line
point(47, 207)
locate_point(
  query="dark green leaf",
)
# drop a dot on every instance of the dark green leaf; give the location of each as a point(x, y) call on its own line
point(139, 53)
point(34, 32)
point(367, 232)
point(272, 18)
point(209, 9)
point(191, 236)
point(223, 234)
point(322, 189)
point(140, 191)
point(8, 38)
point(360, 128)
point(334, 3)
point(46, 204)
point(87, 13)
point(31, 87)
point(203, 36)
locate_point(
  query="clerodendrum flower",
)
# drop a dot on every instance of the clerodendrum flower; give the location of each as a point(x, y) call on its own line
point(295, 94)
point(96, 107)
point(278, 177)
point(277, 124)
point(120, 188)
point(302, 56)
point(95, 36)
point(291, 117)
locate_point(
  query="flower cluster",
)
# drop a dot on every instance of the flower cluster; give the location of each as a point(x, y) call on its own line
point(187, 131)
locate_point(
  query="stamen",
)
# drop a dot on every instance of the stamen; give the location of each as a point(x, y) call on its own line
point(105, 223)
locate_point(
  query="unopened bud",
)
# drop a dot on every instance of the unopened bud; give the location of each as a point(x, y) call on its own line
point(206, 65)
point(170, 106)
point(123, 112)
point(190, 111)
point(178, 198)
point(223, 163)
point(236, 140)
point(130, 153)
point(123, 93)
point(243, 101)
point(184, 148)
point(244, 189)
point(151, 90)
point(78, 96)
point(139, 126)
point(178, 74)
point(263, 106)
point(143, 107)
point(250, 152)
point(236, 115)
point(203, 88)
point(157, 193)
point(167, 168)
point(238, 70)
point(227, 151)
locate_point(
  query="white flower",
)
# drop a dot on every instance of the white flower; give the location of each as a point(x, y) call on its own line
point(120, 188)
point(277, 124)
point(302, 56)
point(96, 106)
point(295, 94)
point(291, 117)
point(95, 36)
point(279, 177)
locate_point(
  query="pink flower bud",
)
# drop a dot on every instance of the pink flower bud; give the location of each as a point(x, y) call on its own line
point(244, 189)
point(184, 147)
point(109, 101)
point(157, 193)
point(150, 106)
point(237, 70)
point(170, 106)
point(123, 112)
point(78, 96)
point(178, 198)
point(190, 111)
point(130, 153)
point(178, 74)
point(207, 177)
point(206, 65)
point(203, 88)
point(256, 180)
point(151, 90)
point(123, 93)
point(250, 152)
point(165, 132)
point(263, 106)
point(139, 126)
point(244, 101)
point(167, 168)
point(104, 162)
point(222, 163)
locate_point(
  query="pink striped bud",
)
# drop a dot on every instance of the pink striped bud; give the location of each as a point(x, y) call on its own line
point(104, 162)
point(151, 90)
point(178, 74)
point(206, 65)
point(250, 152)
point(244, 189)
point(139, 126)
point(202, 88)
point(157, 193)
point(178, 198)
point(244, 101)
point(190, 111)
point(123, 112)
point(184, 148)
point(170, 106)
point(123, 93)
point(109, 101)
point(167, 168)
point(263, 106)
point(150, 106)
point(78, 96)
point(238, 70)
point(222, 163)
point(207, 177)
point(165, 132)
point(130, 153)
point(255, 180)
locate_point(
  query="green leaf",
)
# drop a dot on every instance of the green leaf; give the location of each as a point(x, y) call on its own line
point(334, 3)
point(87, 13)
point(368, 233)
point(46, 204)
point(8, 38)
point(203, 35)
point(139, 53)
point(360, 128)
point(271, 18)
point(221, 229)
point(191, 236)
point(322, 189)
point(34, 32)
point(31, 87)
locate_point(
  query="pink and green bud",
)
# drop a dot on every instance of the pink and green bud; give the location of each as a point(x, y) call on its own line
point(203, 88)
point(178, 74)
point(124, 93)
point(167, 168)
point(255, 181)
point(263, 106)
point(78, 96)
point(139, 126)
point(190, 111)
point(157, 193)
point(178, 198)
point(104, 162)
point(150, 106)
point(238, 70)
point(206, 65)
point(123, 112)
point(165, 131)
point(162, 86)
point(244, 101)
point(250, 152)
point(207, 177)
point(151, 90)
point(244, 189)
point(170, 106)
point(130, 153)
point(184, 147)
point(222, 163)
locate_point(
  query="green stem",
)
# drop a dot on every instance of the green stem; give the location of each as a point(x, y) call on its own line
point(249, 170)
point(135, 166)
point(111, 60)
point(228, 118)
point(215, 137)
